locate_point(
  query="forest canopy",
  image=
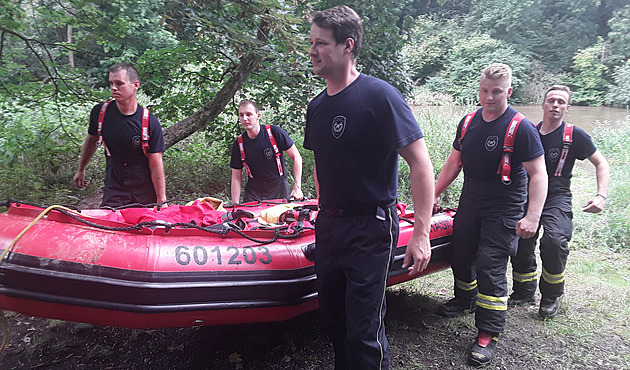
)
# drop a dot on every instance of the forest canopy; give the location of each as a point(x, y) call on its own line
point(198, 59)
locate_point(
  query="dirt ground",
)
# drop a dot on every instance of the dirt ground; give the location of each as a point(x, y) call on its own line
point(579, 338)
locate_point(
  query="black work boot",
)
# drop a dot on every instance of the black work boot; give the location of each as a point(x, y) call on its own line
point(521, 299)
point(549, 307)
point(455, 307)
point(483, 350)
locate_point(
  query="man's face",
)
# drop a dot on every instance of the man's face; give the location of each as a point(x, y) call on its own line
point(555, 105)
point(120, 86)
point(494, 94)
point(248, 116)
point(327, 56)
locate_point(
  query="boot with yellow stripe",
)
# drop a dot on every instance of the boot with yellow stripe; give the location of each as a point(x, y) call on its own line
point(483, 349)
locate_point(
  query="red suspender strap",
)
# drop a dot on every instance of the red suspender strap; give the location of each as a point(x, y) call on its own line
point(145, 131)
point(275, 149)
point(465, 125)
point(242, 149)
point(567, 139)
point(99, 128)
point(508, 148)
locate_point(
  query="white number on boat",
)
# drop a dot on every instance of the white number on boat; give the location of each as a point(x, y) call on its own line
point(184, 255)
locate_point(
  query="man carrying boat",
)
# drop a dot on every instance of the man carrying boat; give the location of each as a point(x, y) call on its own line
point(133, 143)
point(260, 151)
point(356, 128)
point(498, 149)
point(563, 143)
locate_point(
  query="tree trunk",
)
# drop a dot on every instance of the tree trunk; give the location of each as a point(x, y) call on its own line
point(215, 106)
point(208, 111)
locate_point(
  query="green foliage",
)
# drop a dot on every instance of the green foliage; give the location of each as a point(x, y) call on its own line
point(438, 126)
point(449, 59)
point(619, 95)
point(534, 26)
point(195, 169)
point(611, 228)
point(541, 38)
point(619, 36)
point(62, 49)
point(589, 76)
point(12, 14)
point(183, 77)
point(427, 47)
point(39, 151)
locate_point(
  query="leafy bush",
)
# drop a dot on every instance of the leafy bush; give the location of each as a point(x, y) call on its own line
point(619, 95)
point(39, 152)
point(610, 228)
point(439, 126)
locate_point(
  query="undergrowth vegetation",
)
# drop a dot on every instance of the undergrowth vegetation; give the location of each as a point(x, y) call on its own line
point(610, 228)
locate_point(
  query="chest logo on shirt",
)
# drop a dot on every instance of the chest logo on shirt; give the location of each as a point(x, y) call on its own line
point(338, 126)
point(491, 143)
point(554, 154)
point(136, 141)
point(268, 153)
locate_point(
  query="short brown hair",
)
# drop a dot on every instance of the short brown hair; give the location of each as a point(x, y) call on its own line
point(344, 22)
point(560, 88)
point(132, 73)
point(497, 71)
point(249, 102)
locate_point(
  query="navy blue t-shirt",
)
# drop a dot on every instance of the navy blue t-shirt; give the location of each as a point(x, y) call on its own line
point(581, 148)
point(354, 136)
point(482, 146)
point(123, 134)
point(259, 153)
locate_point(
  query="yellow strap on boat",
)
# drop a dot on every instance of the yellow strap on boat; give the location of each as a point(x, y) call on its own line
point(3, 319)
point(44, 212)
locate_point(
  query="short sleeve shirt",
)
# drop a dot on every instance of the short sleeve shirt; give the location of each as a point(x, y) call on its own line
point(482, 146)
point(354, 136)
point(260, 155)
point(581, 148)
point(123, 134)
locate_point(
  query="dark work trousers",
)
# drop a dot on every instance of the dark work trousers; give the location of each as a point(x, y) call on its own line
point(557, 224)
point(484, 236)
point(127, 183)
point(256, 190)
point(352, 261)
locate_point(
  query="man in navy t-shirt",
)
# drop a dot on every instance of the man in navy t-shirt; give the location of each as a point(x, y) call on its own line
point(260, 151)
point(490, 213)
point(356, 128)
point(134, 170)
point(563, 143)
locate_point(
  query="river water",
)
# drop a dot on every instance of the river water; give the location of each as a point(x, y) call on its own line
point(583, 117)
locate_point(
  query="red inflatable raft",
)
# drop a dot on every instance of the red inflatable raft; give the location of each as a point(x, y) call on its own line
point(91, 267)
